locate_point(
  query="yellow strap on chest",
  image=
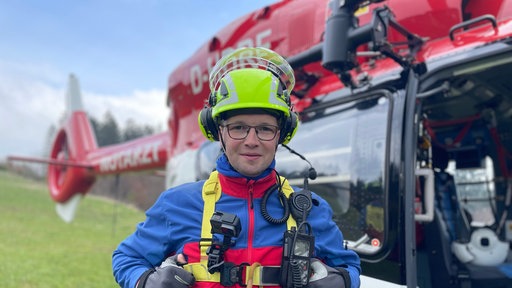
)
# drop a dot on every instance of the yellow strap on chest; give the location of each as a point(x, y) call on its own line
point(211, 194)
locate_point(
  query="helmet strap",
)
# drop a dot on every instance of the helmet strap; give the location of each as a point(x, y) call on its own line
point(221, 140)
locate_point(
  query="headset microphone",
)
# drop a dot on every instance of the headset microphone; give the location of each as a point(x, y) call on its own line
point(311, 172)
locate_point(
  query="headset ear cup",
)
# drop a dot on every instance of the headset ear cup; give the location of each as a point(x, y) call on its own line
point(208, 125)
point(289, 128)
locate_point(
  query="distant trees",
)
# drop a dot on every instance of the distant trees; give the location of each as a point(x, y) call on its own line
point(108, 132)
point(132, 130)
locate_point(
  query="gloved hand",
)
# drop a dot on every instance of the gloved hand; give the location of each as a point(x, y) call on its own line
point(168, 275)
point(323, 276)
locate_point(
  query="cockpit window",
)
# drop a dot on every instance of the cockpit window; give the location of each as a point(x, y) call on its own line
point(346, 145)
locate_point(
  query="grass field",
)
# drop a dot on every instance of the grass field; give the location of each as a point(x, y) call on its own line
point(38, 249)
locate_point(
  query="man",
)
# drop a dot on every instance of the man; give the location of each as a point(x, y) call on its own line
point(178, 245)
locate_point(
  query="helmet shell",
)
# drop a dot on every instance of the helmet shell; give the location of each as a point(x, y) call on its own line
point(250, 80)
point(250, 88)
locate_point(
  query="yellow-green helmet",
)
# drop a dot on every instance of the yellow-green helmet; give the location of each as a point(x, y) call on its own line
point(250, 78)
point(249, 88)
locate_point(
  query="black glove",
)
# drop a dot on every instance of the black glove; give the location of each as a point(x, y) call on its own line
point(168, 275)
point(323, 276)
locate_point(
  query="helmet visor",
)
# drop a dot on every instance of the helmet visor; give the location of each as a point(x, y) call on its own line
point(253, 57)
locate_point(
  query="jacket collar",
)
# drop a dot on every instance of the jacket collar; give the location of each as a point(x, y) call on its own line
point(244, 187)
point(235, 184)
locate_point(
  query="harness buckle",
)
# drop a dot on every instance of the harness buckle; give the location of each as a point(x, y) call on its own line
point(215, 258)
point(241, 267)
point(232, 274)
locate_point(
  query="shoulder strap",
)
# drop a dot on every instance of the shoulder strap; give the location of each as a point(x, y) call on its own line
point(288, 190)
point(211, 194)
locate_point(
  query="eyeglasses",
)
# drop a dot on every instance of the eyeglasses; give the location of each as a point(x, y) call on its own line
point(239, 131)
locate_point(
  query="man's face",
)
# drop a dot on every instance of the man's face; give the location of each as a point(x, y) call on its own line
point(250, 156)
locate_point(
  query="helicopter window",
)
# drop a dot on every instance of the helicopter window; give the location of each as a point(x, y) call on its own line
point(207, 156)
point(346, 145)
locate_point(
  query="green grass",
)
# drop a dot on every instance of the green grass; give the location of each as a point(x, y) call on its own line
point(38, 249)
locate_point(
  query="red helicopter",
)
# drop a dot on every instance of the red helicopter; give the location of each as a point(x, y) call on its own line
point(406, 115)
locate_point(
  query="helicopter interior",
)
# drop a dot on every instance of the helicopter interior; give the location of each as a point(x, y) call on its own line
point(466, 137)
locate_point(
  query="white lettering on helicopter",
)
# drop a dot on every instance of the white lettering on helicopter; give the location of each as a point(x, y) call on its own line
point(197, 78)
point(138, 156)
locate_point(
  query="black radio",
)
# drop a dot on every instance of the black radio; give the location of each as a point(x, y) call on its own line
point(296, 262)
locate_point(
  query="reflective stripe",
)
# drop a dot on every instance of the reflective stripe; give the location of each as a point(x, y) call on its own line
point(232, 95)
point(211, 194)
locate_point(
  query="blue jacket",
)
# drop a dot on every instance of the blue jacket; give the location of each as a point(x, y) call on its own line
point(173, 225)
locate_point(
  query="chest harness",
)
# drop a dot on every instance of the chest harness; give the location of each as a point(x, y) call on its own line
point(244, 274)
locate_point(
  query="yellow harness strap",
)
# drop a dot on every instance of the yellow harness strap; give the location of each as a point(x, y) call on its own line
point(211, 194)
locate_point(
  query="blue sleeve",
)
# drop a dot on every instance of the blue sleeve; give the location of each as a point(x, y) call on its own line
point(329, 241)
point(144, 249)
point(164, 231)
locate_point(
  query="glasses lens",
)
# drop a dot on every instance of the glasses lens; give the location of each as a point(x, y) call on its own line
point(266, 132)
point(240, 131)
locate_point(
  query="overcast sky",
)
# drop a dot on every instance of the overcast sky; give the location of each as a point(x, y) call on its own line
point(121, 51)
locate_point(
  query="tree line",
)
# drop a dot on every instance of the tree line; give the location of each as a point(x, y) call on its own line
point(108, 131)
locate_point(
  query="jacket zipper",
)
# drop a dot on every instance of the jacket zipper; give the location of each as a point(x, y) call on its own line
point(250, 212)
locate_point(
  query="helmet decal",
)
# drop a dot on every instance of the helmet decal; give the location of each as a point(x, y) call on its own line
point(231, 96)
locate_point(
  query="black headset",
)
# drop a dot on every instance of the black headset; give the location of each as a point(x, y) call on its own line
point(210, 127)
